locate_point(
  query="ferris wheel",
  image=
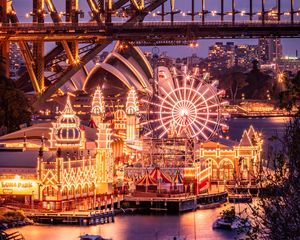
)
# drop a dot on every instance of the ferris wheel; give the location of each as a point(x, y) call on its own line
point(187, 107)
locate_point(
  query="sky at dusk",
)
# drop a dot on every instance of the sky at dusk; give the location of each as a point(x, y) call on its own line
point(289, 45)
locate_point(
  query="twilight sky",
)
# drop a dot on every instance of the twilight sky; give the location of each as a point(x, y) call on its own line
point(289, 45)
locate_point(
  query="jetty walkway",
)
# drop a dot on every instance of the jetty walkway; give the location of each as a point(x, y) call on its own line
point(74, 218)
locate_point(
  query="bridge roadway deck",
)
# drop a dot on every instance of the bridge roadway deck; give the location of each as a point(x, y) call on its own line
point(143, 33)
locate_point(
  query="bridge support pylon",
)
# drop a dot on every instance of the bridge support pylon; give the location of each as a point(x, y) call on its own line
point(4, 45)
point(72, 17)
point(38, 47)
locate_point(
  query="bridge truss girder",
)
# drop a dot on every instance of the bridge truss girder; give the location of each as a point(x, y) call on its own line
point(70, 49)
point(105, 31)
point(71, 70)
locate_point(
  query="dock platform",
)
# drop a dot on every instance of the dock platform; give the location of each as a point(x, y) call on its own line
point(74, 218)
point(173, 204)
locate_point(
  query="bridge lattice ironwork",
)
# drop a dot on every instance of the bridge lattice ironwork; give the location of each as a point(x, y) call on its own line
point(139, 22)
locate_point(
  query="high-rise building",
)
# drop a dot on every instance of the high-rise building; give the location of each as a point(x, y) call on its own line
point(16, 61)
point(221, 55)
point(245, 54)
point(270, 49)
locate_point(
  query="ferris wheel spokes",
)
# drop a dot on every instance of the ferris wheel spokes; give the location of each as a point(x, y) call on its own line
point(188, 107)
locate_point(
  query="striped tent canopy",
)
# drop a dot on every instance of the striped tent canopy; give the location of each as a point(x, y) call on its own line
point(146, 180)
point(178, 179)
point(159, 176)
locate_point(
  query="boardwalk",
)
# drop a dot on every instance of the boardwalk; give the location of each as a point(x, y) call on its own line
point(74, 218)
point(174, 203)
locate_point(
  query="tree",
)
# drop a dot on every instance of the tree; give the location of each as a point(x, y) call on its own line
point(276, 212)
point(291, 96)
point(232, 82)
point(14, 106)
point(258, 84)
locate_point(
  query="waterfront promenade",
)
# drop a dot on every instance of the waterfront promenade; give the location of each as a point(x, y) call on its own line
point(74, 218)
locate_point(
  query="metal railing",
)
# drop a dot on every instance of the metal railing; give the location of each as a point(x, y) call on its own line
point(14, 27)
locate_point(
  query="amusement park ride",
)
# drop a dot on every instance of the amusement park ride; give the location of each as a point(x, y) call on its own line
point(187, 107)
point(185, 110)
point(77, 163)
point(184, 117)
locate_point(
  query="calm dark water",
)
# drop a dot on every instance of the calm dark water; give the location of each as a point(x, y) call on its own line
point(267, 126)
point(192, 225)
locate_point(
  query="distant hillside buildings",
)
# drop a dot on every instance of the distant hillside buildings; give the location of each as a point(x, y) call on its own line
point(225, 55)
point(16, 62)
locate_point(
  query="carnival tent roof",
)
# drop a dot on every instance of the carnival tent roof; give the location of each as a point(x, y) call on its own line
point(146, 180)
point(178, 179)
point(158, 175)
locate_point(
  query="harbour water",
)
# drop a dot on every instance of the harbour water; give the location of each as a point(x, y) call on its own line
point(267, 126)
point(192, 225)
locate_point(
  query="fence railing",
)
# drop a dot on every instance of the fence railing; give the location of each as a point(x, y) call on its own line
point(13, 27)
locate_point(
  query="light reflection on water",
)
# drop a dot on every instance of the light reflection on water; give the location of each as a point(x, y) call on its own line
point(267, 126)
point(138, 227)
point(273, 126)
point(161, 227)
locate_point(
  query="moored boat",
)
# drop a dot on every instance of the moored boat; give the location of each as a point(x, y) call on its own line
point(92, 237)
point(230, 221)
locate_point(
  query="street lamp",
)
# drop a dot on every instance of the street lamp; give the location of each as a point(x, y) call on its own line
point(280, 77)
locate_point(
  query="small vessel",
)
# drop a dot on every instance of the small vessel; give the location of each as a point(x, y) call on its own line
point(230, 221)
point(93, 237)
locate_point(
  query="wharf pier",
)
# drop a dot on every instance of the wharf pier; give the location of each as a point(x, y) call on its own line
point(140, 201)
point(73, 218)
point(172, 203)
point(253, 190)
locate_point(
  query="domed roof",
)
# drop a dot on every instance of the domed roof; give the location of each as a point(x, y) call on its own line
point(120, 114)
point(123, 68)
point(67, 127)
point(110, 79)
point(68, 135)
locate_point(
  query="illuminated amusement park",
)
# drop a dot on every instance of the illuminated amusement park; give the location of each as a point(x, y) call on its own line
point(136, 142)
